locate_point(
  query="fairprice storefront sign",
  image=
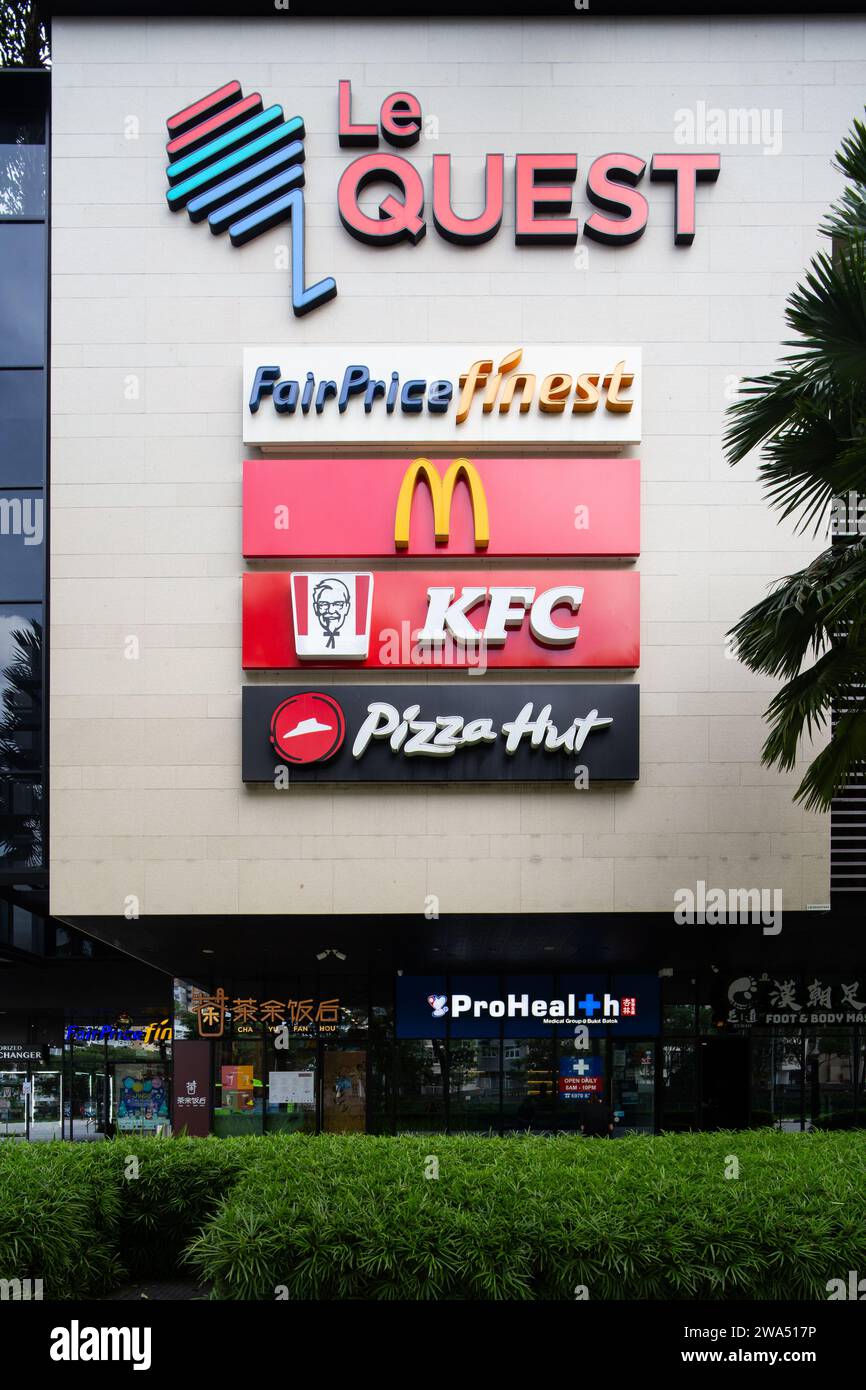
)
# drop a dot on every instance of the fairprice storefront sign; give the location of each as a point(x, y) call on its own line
point(526, 1006)
point(362, 396)
point(474, 732)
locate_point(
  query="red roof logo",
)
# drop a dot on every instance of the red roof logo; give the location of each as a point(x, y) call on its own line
point(307, 728)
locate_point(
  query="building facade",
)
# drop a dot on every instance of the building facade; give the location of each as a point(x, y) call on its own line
point(186, 321)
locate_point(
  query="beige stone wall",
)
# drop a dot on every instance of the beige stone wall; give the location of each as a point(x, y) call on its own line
point(149, 318)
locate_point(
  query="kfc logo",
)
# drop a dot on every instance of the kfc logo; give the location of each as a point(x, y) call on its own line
point(331, 614)
point(307, 728)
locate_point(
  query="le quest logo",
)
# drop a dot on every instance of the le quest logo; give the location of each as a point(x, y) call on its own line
point(240, 165)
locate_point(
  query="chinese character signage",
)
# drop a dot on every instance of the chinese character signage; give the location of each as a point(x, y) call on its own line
point(789, 998)
point(219, 1014)
point(191, 1088)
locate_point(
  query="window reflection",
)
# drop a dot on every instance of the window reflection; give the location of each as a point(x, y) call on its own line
point(22, 294)
point(22, 432)
point(21, 735)
point(22, 164)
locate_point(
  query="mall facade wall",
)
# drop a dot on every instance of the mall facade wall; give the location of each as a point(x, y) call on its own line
point(150, 316)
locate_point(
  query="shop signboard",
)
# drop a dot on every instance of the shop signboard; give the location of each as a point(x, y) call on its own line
point(478, 731)
point(480, 395)
point(454, 507)
point(526, 1006)
point(434, 619)
point(791, 999)
point(20, 1052)
point(191, 1087)
point(581, 1076)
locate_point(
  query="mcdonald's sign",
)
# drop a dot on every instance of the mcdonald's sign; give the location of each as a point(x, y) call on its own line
point(347, 508)
point(441, 490)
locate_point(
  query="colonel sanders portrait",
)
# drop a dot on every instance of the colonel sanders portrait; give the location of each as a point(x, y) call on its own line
point(331, 604)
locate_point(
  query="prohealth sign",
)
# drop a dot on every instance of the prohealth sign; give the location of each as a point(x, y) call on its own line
point(501, 396)
point(526, 1006)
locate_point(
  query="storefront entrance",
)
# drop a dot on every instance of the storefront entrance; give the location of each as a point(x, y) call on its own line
point(344, 1092)
point(725, 1083)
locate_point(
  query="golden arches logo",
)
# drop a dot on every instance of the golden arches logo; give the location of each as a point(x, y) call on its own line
point(442, 496)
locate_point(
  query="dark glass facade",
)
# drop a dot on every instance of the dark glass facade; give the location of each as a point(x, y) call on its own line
point(23, 474)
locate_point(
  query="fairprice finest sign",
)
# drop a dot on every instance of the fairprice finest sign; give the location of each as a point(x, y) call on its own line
point(362, 396)
point(483, 1006)
point(473, 732)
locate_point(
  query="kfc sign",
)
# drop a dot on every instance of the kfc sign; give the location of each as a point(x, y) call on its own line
point(435, 619)
point(475, 395)
point(477, 732)
point(540, 507)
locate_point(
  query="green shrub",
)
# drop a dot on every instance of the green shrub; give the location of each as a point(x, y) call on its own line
point(168, 1196)
point(352, 1217)
point(356, 1217)
point(59, 1218)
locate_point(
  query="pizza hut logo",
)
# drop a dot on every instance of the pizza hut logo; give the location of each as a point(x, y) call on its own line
point(307, 728)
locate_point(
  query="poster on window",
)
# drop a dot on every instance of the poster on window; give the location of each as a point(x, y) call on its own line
point(142, 1104)
point(291, 1088)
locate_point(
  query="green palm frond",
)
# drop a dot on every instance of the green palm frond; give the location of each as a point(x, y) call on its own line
point(808, 419)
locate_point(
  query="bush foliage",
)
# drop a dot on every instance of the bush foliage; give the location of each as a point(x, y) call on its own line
point(362, 1217)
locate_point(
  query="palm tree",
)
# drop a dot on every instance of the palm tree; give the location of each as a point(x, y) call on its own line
point(809, 418)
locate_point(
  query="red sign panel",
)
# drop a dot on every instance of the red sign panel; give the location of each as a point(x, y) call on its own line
point(440, 619)
point(379, 507)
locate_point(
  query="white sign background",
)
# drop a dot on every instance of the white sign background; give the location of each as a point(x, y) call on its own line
point(354, 429)
point(291, 1088)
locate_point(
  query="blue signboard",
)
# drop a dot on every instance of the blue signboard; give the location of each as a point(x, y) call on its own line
point(527, 1006)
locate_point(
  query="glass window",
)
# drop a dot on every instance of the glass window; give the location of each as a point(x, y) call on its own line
point(21, 535)
point(582, 1082)
point(298, 1115)
point(633, 1077)
point(22, 430)
point(239, 1089)
point(777, 1079)
point(22, 164)
point(22, 295)
point(830, 1072)
point(13, 1101)
point(419, 1093)
point(474, 1075)
point(20, 822)
point(679, 1079)
point(528, 1083)
point(678, 1002)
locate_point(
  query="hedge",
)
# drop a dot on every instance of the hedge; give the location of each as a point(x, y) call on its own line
point(352, 1217)
point(364, 1217)
point(85, 1219)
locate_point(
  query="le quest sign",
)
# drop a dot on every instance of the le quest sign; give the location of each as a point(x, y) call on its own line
point(242, 166)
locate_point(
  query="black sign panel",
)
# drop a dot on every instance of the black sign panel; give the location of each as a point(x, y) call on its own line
point(21, 1052)
point(477, 731)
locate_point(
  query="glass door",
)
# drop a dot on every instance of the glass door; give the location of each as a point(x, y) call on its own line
point(633, 1080)
point(13, 1104)
point(344, 1098)
point(46, 1100)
